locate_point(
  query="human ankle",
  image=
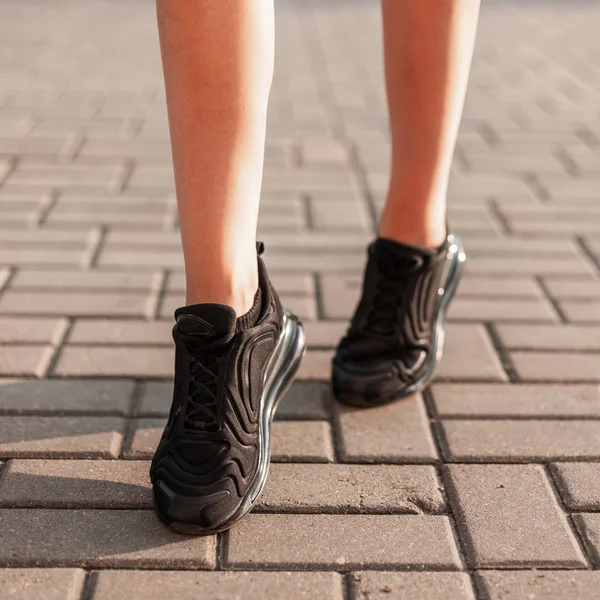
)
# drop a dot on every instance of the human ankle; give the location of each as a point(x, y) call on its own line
point(417, 232)
point(235, 292)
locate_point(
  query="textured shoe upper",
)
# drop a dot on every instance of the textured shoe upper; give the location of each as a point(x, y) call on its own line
point(393, 323)
point(210, 447)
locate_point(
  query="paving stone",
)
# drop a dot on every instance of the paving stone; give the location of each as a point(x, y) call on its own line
point(94, 538)
point(74, 304)
point(340, 294)
point(347, 489)
point(42, 331)
point(579, 485)
point(155, 585)
point(316, 364)
point(40, 436)
point(521, 441)
point(121, 332)
point(546, 584)
point(398, 432)
point(410, 586)
point(549, 337)
point(566, 268)
point(304, 400)
point(573, 290)
point(25, 361)
point(557, 366)
point(582, 312)
point(342, 542)
point(324, 334)
point(588, 526)
point(18, 257)
point(506, 309)
point(156, 398)
point(469, 355)
point(76, 484)
point(83, 280)
point(498, 288)
point(301, 441)
point(121, 361)
point(56, 396)
point(146, 436)
point(487, 498)
point(528, 400)
point(49, 584)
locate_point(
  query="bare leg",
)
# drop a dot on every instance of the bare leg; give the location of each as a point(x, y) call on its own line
point(428, 47)
point(218, 66)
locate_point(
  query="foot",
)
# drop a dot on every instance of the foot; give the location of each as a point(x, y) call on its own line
point(396, 336)
point(213, 458)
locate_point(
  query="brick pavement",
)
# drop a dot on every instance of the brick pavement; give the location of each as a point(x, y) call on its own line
point(485, 487)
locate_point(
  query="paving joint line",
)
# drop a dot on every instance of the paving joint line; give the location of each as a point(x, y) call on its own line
point(554, 303)
point(58, 348)
point(88, 589)
point(583, 247)
point(434, 430)
point(567, 514)
point(504, 357)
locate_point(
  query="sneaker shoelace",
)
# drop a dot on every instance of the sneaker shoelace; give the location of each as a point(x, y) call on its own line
point(396, 277)
point(202, 409)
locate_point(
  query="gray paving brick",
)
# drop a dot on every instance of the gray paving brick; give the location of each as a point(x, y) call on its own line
point(75, 484)
point(469, 355)
point(25, 361)
point(94, 538)
point(549, 337)
point(488, 497)
point(324, 334)
point(549, 585)
point(18, 257)
point(121, 361)
point(156, 398)
point(74, 304)
point(410, 586)
point(526, 400)
point(155, 585)
point(33, 584)
point(566, 268)
point(579, 485)
point(398, 432)
point(352, 489)
point(589, 527)
point(557, 366)
point(582, 312)
point(56, 396)
point(316, 364)
point(301, 441)
point(573, 290)
point(521, 441)
point(146, 436)
point(342, 541)
point(121, 332)
point(304, 400)
point(498, 288)
point(506, 309)
point(83, 280)
point(68, 437)
point(340, 294)
point(40, 331)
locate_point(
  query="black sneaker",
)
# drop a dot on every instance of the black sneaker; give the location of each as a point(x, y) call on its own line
point(396, 336)
point(213, 459)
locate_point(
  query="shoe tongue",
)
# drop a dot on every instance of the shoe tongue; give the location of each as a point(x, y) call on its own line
point(208, 322)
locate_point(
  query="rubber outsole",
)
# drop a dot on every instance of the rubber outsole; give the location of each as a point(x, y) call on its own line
point(283, 366)
point(451, 281)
